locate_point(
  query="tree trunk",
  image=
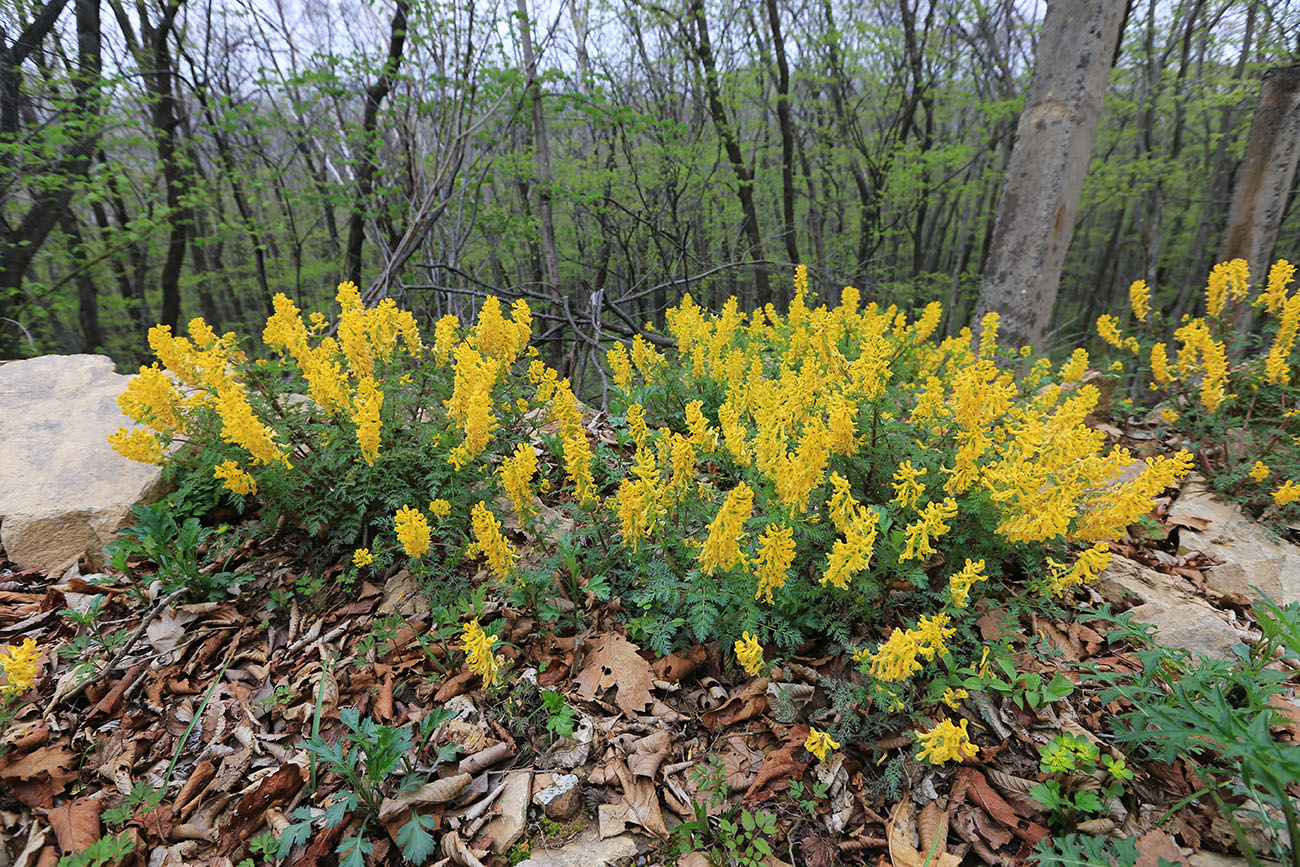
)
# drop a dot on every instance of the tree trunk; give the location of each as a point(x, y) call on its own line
point(1259, 196)
point(1048, 165)
point(541, 151)
point(786, 127)
point(367, 165)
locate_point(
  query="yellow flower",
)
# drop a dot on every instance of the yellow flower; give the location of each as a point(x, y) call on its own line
point(1073, 370)
point(959, 584)
point(490, 542)
point(907, 488)
point(365, 415)
point(412, 531)
point(775, 554)
point(819, 743)
point(953, 698)
point(516, 472)
point(439, 508)
point(138, 445)
point(1274, 295)
point(1087, 567)
point(241, 427)
point(946, 743)
point(18, 663)
point(1108, 328)
point(1226, 278)
point(621, 364)
point(1260, 471)
point(1287, 494)
point(478, 650)
point(236, 480)
point(1168, 415)
point(721, 550)
point(362, 558)
point(929, 526)
point(1139, 298)
point(1276, 367)
point(750, 654)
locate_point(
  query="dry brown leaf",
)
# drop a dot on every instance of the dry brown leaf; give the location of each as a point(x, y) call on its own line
point(613, 662)
point(36, 778)
point(997, 807)
point(933, 851)
point(649, 753)
point(780, 767)
point(75, 824)
point(746, 704)
point(640, 806)
point(437, 792)
point(1157, 844)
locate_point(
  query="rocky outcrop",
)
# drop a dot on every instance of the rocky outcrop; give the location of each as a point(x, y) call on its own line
point(1181, 617)
point(63, 490)
point(1252, 557)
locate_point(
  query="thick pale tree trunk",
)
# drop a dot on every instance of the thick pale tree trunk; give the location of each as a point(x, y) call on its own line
point(1048, 165)
point(1264, 180)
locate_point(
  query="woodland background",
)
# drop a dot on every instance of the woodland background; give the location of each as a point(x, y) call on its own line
point(170, 158)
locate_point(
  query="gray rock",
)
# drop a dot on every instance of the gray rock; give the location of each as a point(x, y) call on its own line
point(507, 827)
point(63, 489)
point(559, 801)
point(1252, 557)
point(1181, 619)
point(588, 850)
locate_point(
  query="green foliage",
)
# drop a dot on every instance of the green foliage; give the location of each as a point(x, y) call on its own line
point(1073, 786)
point(737, 836)
point(559, 714)
point(1216, 714)
point(154, 534)
point(1080, 850)
point(108, 849)
point(375, 761)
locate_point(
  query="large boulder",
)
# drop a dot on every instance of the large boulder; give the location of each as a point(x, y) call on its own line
point(1252, 557)
point(63, 490)
point(1182, 619)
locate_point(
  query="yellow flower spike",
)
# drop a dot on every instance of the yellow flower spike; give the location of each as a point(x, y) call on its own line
point(412, 531)
point(1277, 368)
point(721, 550)
point(439, 508)
point(516, 473)
point(750, 654)
point(1260, 471)
point(478, 651)
point(946, 743)
point(1139, 298)
point(1287, 494)
point(953, 698)
point(960, 583)
point(139, 445)
point(907, 487)
point(362, 558)
point(819, 743)
point(18, 662)
point(1073, 370)
point(235, 480)
point(1169, 416)
point(1274, 294)
point(772, 563)
point(498, 552)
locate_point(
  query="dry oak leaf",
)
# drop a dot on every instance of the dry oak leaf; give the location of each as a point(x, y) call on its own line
point(75, 824)
point(640, 806)
point(933, 851)
point(997, 807)
point(38, 777)
point(780, 767)
point(750, 702)
point(613, 661)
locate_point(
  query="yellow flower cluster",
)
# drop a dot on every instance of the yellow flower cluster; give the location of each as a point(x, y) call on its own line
point(750, 654)
point(478, 651)
point(960, 583)
point(516, 474)
point(1227, 279)
point(412, 531)
point(234, 479)
point(721, 550)
point(1108, 328)
point(1287, 493)
point(18, 663)
point(1274, 294)
point(362, 558)
point(819, 743)
point(1259, 472)
point(898, 658)
point(1139, 299)
point(1088, 566)
point(776, 551)
point(946, 742)
point(489, 541)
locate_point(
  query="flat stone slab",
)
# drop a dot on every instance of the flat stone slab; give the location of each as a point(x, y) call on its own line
point(1253, 559)
point(1182, 620)
point(63, 489)
point(588, 850)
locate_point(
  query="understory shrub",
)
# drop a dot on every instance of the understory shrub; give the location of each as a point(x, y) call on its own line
point(778, 477)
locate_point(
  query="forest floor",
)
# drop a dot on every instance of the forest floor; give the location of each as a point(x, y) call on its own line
point(193, 747)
